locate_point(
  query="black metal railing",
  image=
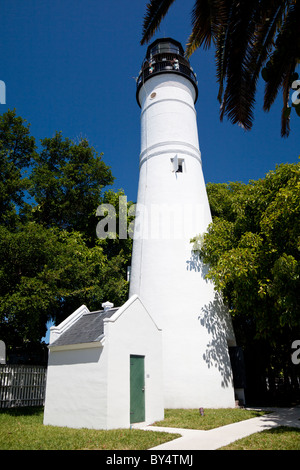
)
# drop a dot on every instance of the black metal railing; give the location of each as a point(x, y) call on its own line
point(165, 65)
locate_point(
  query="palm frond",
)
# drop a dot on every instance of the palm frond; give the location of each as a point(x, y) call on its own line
point(286, 53)
point(285, 114)
point(207, 17)
point(220, 57)
point(156, 11)
point(268, 22)
point(223, 49)
point(237, 104)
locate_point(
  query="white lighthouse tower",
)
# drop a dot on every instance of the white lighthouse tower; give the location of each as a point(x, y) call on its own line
point(172, 207)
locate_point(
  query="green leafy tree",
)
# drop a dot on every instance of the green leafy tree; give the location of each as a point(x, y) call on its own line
point(252, 247)
point(67, 182)
point(17, 150)
point(122, 218)
point(118, 216)
point(45, 274)
point(249, 38)
point(51, 260)
point(252, 250)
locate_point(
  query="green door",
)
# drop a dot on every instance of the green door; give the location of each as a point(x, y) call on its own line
point(137, 389)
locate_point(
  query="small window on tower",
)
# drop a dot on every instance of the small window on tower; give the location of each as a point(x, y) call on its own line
point(177, 164)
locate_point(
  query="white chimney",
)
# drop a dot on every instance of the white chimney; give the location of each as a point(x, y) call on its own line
point(107, 306)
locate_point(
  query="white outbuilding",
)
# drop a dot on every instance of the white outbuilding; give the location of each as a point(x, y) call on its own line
point(105, 369)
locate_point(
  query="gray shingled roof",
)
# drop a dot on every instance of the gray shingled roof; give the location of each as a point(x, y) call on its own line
point(86, 329)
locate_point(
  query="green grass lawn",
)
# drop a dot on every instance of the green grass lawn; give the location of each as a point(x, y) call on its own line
point(280, 438)
point(212, 418)
point(23, 429)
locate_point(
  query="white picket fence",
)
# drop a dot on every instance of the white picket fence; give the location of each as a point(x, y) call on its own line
point(22, 385)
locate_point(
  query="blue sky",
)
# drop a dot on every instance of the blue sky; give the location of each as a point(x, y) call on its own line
point(69, 65)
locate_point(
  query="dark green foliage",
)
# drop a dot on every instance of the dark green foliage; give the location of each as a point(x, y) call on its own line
point(67, 180)
point(51, 261)
point(253, 252)
point(17, 150)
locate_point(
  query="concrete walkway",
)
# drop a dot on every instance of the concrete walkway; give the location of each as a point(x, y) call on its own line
point(215, 438)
